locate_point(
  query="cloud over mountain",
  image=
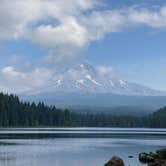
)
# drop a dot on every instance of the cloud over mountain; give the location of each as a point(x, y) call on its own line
point(82, 78)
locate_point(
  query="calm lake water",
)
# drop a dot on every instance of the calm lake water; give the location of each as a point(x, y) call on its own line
point(76, 146)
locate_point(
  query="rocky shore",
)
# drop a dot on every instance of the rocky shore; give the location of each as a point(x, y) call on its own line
point(154, 159)
point(150, 159)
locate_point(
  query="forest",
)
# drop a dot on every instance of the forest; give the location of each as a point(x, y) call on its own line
point(17, 113)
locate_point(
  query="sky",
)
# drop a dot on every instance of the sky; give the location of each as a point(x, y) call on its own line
point(39, 38)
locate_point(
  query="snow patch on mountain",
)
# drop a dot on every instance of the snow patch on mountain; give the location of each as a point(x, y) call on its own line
point(84, 78)
point(92, 80)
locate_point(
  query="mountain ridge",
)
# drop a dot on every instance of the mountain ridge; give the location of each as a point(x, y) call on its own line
point(84, 78)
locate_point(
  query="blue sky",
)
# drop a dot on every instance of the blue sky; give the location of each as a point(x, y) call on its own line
point(138, 55)
point(127, 35)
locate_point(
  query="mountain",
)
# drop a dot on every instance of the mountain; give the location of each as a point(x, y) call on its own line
point(85, 88)
point(84, 78)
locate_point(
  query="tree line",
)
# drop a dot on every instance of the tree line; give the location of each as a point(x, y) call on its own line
point(17, 113)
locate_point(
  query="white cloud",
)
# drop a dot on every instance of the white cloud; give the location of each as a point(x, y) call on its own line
point(69, 32)
point(148, 18)
point(16, 81)
point(99, 24)
point(15, 16)
point(105, 70)
point(70, 29)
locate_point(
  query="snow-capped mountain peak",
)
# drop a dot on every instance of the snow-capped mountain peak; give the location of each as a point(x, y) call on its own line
point(84, 78)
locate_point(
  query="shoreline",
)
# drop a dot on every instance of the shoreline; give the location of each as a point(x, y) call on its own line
point(157, 158)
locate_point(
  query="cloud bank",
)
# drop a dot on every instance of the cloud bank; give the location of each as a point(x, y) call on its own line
point(71, 25)
point(16, 81)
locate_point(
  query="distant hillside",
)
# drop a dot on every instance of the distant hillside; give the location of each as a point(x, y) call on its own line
point(100, 102)
point(117, 110)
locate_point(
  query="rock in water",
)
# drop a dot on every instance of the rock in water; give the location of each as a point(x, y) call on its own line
point(146, 158)
point(115, 161)
point(154, 159)
point(161, 153)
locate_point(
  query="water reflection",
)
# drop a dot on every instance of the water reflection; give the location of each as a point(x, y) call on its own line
point(20, 148)
point(7, 158)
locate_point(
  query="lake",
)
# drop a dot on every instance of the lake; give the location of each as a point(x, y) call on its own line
point(76, 146)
